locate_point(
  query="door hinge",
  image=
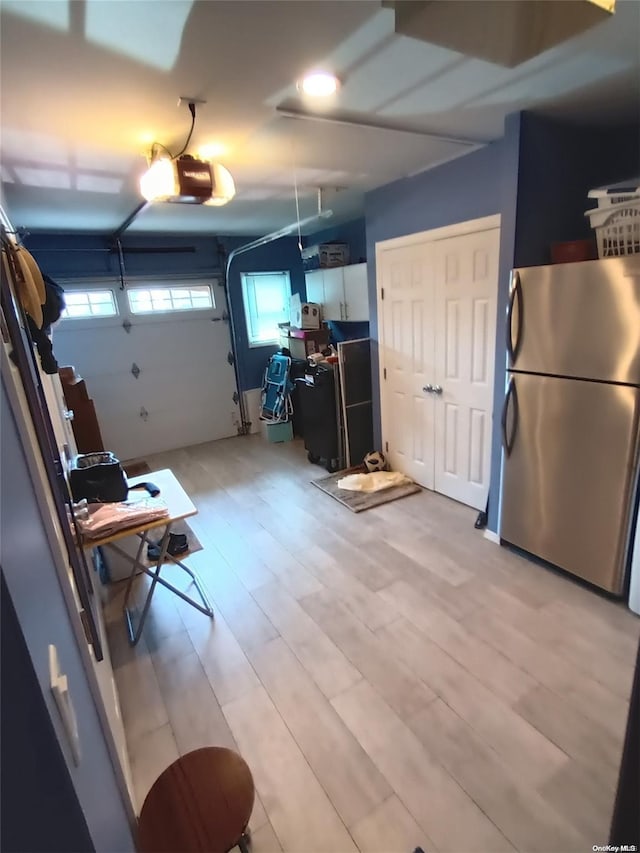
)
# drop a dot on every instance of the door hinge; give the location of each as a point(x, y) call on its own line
point(386, 446)
point(384, 372)
point(230, 358)
point(382, 293)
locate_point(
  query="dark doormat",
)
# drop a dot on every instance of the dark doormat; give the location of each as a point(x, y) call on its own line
point(359, 501)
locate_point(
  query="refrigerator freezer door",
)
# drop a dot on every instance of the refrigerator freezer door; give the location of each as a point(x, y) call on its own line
point(580, 320)
point(569, 476)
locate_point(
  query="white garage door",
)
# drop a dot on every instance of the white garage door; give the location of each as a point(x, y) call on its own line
point(155, 360)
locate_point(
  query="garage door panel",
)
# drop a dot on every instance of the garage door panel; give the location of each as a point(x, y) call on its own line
point(102, 351)
point(184, 389)
point(144, 438)
point(157, 392)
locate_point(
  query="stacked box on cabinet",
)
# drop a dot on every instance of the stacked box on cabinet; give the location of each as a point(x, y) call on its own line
point(325, 255)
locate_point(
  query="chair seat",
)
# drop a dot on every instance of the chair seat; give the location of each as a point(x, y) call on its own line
point(201, 802)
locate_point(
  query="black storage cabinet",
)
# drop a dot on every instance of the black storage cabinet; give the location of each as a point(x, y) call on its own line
point(319, 416)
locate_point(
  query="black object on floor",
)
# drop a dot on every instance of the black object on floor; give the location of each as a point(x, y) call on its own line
point(178, 544)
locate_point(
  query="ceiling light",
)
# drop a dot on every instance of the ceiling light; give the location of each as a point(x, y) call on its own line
point(224, 187)
point(319, 84)
point(184, 179)
point(187, 180)
point(157, 181)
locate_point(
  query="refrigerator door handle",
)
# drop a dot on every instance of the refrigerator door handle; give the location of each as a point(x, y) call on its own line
point(515, 291)
point(511, 397)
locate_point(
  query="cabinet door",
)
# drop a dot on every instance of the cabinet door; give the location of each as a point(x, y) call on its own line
point(334, 294)
point(314, 281)
point(356, 293)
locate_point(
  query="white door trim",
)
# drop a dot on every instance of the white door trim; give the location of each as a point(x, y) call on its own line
point(457, 229)
point(471, 226)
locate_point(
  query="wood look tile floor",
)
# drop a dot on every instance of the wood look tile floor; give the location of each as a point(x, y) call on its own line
point(392, 678)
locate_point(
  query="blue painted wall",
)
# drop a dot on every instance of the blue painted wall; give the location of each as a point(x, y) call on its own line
point(353, 233)
point(40, 809)
point(279, 256)
point(559, 164)
point(77, 255)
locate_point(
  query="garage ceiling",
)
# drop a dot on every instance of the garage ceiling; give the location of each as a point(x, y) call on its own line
point(87, 85)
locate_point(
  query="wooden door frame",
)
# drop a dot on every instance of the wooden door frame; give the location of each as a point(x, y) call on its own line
point(457, 229)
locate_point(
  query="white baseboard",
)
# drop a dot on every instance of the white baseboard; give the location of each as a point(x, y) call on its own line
point(492, 537)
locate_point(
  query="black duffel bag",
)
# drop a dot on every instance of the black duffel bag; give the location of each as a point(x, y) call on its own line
point(98, 477)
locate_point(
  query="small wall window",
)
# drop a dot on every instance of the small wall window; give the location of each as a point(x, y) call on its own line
point(165, 298)
point(266, 303)
point(82, 304)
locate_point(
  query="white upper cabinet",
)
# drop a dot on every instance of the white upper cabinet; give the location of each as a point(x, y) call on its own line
point(333, 305)
point(356, 293)
point(315, 286)
point(342, 292)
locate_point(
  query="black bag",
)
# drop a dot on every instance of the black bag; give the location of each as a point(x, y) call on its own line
point(98, 477)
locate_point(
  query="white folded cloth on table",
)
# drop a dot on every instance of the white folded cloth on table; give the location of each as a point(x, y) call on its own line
point(107, 519)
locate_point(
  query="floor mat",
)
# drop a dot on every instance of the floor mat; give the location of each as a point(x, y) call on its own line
point(359, 501)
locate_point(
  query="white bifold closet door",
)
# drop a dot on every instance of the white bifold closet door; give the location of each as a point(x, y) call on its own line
point(437, 340)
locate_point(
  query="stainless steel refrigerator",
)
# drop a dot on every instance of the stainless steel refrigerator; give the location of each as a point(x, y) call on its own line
point(571, 416)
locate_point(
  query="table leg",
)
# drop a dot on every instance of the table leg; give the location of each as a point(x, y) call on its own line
point(135, 634)
point(138, 567)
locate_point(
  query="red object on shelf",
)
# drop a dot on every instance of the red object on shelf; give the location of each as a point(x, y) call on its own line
point(309, 334)
point(573, 250)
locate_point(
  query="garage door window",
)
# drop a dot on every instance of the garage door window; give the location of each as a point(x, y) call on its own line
point(266, 303)
point(164, 299)
point(83, 304)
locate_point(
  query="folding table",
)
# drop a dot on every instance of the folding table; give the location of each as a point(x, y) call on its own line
point(180, 507)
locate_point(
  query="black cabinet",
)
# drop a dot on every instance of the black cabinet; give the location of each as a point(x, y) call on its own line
point(317, 395)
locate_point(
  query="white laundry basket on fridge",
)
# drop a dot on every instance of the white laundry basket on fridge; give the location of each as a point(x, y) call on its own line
point(616, 219)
